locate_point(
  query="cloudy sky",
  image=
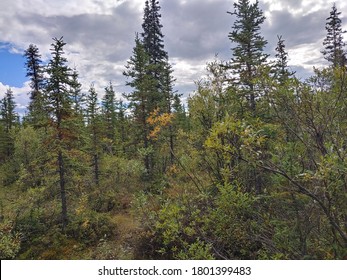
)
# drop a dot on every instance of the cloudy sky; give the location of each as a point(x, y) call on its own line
point(100, 36)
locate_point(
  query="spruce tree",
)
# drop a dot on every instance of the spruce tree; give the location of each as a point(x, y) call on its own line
point(152, 36)
point(94, 128)
point(153, 43)
point(78, 104)
point(8, 120)
point(35, 72)
point(169, 94)
point(248, 56)
point(282, 72)
point(141, 98)
point(122, 126)
point(60, 109)
point(334, 51)
point(248, 47)
point(109, 113)
point(7, 111)
point(160, 70)
point(78, 97)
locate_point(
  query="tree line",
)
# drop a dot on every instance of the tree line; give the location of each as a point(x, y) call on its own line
point(254, 168)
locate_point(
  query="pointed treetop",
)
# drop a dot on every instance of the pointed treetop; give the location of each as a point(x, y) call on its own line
point(334, 51)
point(152, 35)
point(281, 65)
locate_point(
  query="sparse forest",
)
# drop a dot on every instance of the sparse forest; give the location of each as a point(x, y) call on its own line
point(254, 166)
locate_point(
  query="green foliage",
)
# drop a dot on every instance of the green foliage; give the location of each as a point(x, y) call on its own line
point(333, 42)
point(9, 241)
point(37, 115)
point(8, 121)
point(122, 172)
point(248, 53)
point(175, 232)
point(90, 227)
point(255, 168)
point(234, 223)
point(29, 156)
point(198, 250)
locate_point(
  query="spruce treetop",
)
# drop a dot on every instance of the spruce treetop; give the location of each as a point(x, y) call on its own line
point(152, 36)
point(334, 51)
point(248, 48)
point(246, 34)
point(34, 68)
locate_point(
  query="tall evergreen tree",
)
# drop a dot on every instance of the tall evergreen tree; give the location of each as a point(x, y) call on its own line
point(7, 111)
point(248, 56)
point(122, 125)
point(282, 72)
point(78, 97)
point(160, 70)
point(143, 84)
point(109, 112)
point(8, 119)
point(334, 51)
point(94, 127)
point(78, 104)
point(153, 43)
point(58, 90)
point(249, 45)
point(152, 36)
point(169, 93)
point(35, 72)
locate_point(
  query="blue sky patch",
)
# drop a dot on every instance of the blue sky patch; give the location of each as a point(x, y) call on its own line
point(12, 67)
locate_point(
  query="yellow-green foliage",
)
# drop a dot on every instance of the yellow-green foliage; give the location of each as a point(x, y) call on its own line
point(9, 241)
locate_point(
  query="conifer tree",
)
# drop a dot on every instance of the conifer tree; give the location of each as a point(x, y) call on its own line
point(8, 119)
point(60, 109)
point(153, 43)
point(78, 97)
point(181, 116)
point(7, 111)
point(141, 98)
point(160, 70)
point(248, 56)
point(334, 51)
point(94, 127)
point(169, 93)
point(122, 126)
point(249, 45)
point(109, 113)
point(35, 72)
point(282, 72)
point(152, 36)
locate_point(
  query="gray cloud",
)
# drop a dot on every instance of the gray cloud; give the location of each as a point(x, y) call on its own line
point(100, 34)
point(197, 29)
point(296, 29)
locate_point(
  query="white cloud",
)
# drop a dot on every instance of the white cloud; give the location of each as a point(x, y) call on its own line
point(299, 56)
point(20, 94)
point(3, 89)
point(100, 33)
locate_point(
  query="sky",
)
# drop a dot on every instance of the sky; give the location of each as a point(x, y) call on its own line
point(100, 37)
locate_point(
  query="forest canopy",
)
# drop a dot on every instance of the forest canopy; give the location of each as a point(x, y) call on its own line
point(253, 166)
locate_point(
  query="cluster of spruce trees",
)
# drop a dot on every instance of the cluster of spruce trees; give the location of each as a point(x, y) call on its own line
point(256, 169)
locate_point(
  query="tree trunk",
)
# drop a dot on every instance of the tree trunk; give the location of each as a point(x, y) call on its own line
point(64, 217)
point(96, 169)
point(172, 157)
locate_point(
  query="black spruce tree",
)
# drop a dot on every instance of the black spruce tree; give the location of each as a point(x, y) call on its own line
point(248, 47)
point(334, 51)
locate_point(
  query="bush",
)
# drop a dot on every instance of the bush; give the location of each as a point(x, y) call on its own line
point(9, 241)
point(90, 227)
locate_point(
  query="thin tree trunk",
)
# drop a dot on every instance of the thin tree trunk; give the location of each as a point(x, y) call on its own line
point(172, 156)
point(96, 169)
point(64, 217)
